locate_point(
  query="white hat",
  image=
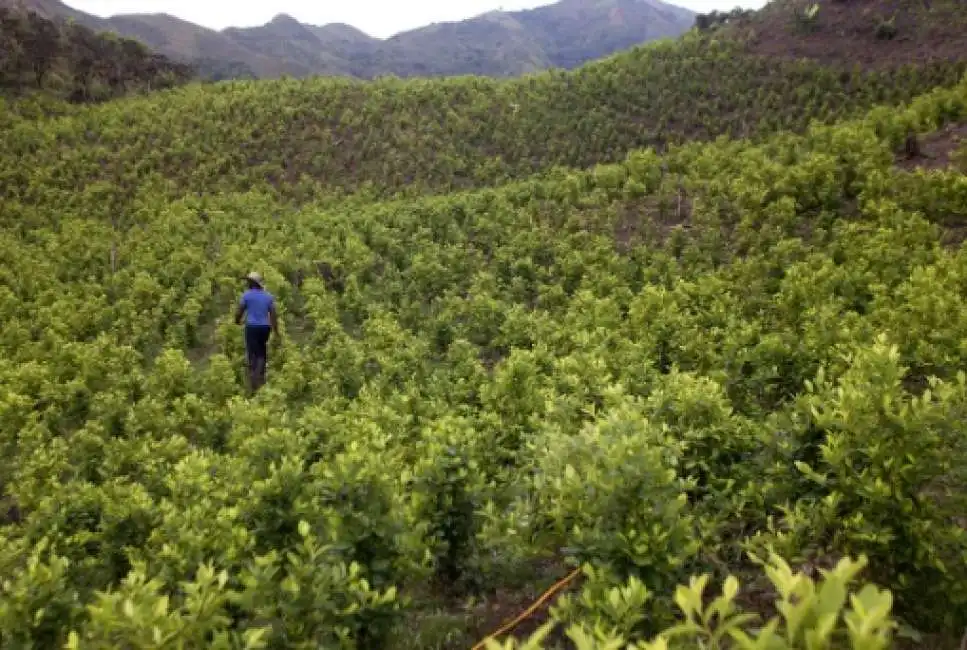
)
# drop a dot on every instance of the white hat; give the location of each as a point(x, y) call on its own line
point(255, 277)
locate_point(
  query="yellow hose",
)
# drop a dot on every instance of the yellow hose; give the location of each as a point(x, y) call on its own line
point(557, 586)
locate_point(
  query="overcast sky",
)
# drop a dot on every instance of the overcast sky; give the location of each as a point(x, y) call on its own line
point(379, 18)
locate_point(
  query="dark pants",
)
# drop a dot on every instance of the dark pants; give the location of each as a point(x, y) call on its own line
point(256, 353)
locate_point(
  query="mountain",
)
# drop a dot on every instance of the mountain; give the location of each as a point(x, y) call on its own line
point(498, 44)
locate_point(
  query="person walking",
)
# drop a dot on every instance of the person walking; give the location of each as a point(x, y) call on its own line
point(257, 306)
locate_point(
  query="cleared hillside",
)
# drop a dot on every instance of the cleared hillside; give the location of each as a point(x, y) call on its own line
point(75, 63)
point(869, 33)
point(650, 367)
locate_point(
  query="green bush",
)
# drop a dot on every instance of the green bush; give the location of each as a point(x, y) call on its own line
point(890, 481)
point(815, 614)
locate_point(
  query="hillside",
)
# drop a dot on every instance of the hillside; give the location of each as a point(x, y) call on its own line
point(868, 33)
point(498, 44)
point(686, 327)
point(75, 63)
point(312, 138)
point(649, 367)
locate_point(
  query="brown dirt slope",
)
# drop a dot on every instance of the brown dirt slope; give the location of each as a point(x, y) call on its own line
point(935, 150)
point(870, 33)
point(943, 150)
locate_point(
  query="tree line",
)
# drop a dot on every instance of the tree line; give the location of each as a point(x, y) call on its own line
point(76, 62)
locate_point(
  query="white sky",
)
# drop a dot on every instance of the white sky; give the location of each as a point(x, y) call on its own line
point(379, 18)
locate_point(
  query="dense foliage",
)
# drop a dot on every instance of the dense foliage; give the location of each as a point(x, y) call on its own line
point(660, 368)
point(816, 616)
point(305, 139)
point(76, 63)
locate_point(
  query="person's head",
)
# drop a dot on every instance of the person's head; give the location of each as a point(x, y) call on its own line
point(254, 280)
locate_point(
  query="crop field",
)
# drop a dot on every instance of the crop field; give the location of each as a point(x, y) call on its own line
point(717, 381)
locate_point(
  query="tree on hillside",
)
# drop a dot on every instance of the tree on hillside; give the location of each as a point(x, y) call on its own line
point(84, 56)
point(38, 53)
point(704, 22)
point(11, 48)
point(42, 45)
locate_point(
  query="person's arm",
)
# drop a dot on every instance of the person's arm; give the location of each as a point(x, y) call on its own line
point(240, 312)
point(273, 319)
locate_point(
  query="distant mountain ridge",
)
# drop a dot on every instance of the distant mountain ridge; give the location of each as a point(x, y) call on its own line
point(565, 34)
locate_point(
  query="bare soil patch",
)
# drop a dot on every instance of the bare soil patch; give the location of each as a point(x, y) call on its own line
point(507, 605)
point(934, 151)
point(857, 32)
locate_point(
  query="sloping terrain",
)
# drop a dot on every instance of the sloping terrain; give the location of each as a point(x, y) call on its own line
point(499, 44)
point(284, 39)
point(724, 376)
point(943, 149)
point(211, 52)
point(868, 33)
point(474, 391)
point(311, 138)
point(573, 32)
point(75, 63)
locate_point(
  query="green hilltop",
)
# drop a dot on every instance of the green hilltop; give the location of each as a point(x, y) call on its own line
point(689, 319)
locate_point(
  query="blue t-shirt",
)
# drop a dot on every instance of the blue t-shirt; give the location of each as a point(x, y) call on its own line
point(257, 304)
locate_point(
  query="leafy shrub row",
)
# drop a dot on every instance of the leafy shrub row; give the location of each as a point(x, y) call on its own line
point(653, 368)
point(305, 139)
